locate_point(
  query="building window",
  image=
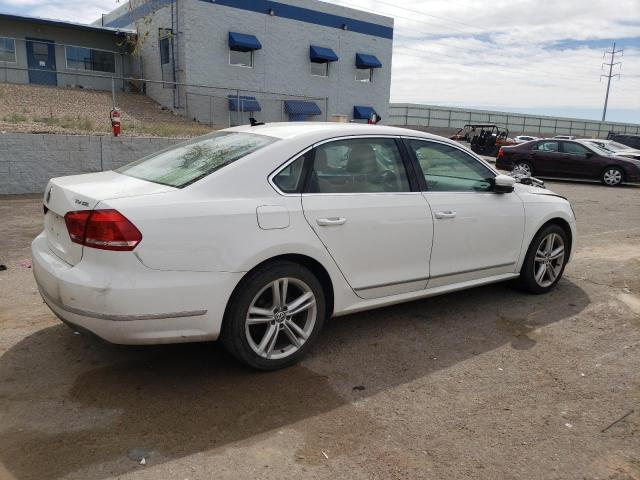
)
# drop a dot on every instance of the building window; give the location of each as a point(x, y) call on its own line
point(164, 44)
point(7, 49)
point(81, 58)
point(364, 74)
point(320, 69)
point(240, 58)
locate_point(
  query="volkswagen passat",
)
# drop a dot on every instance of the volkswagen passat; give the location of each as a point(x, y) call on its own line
point(257, 235)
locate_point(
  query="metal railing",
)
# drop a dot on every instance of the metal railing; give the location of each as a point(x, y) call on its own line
point(229, 107)
point(208, 104)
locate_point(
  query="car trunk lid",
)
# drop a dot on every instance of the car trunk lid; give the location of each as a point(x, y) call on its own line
point(84, 192)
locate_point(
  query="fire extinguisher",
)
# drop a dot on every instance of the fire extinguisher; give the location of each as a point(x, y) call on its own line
point(115, 122)
point(374, 119)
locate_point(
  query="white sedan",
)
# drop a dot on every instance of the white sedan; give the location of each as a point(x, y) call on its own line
point(524, 138)
point(257, 234)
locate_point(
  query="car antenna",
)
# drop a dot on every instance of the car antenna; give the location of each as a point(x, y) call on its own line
point(254, 122)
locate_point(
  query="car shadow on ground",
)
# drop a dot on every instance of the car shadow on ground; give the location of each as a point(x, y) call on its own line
point(73, 404)
point(581, 181)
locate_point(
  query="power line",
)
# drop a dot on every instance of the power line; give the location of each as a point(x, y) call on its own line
point(611, 63)
point(422, 22)
point(410, 10)
point(509, 67)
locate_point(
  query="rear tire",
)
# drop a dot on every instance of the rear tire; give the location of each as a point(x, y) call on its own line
point(612, 176)
point(525, 168)
point(545, 260)
point(274, 316)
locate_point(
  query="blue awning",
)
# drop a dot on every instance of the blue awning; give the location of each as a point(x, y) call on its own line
point(322, 54)
point(247, 104)
point(363, 113)
point(367, 61)
point(300, 107)
point(243, 42)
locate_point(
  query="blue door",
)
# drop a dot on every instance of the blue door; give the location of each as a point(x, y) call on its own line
point(41, 58)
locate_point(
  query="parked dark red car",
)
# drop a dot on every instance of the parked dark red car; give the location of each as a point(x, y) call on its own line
point(568, 159)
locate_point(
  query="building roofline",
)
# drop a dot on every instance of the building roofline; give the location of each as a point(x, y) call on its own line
point(376, 25)
point(65, 24)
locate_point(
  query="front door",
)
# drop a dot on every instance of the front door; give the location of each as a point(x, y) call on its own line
point(477, 233)
point(360, 204)
point(41, 58)
point(577, 161)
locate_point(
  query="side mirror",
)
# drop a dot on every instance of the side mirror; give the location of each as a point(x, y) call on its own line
point(503, 184)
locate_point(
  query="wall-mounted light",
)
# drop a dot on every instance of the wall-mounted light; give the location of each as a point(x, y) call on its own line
point(345, 27)
point(272, 12)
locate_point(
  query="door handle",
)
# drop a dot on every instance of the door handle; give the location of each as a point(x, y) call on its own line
point(332, 221)
point(448, 214)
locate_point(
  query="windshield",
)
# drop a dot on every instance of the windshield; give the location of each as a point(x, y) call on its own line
point(191, 161)
point(597, 148)
point(616, 147)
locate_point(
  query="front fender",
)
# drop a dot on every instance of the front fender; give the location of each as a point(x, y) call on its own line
point(541, 208)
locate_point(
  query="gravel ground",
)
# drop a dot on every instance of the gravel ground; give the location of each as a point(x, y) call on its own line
point(40, 109)
point(486, 383)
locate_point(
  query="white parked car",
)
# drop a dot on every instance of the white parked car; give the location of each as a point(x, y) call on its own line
point(524, 138)
point(614, 148)
point(257, 235)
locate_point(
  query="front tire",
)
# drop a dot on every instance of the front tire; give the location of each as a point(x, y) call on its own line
point(545, 260)
point(274, 316)
point(612, 176)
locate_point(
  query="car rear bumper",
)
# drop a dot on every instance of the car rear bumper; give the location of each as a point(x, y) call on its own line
point(116, 297)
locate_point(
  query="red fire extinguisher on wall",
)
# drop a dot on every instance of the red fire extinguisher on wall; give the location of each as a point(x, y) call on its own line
point(374, 119)
point(115, 122)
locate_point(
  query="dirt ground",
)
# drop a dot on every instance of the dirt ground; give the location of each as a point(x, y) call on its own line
point(487, 383)
point(42, 109)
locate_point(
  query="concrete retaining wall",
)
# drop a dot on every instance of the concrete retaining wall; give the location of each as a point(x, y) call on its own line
point(28, 161)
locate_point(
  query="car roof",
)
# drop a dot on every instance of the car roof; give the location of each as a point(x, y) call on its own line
point(296, 129)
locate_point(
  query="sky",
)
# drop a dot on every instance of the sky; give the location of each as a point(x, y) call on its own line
point(528, 56)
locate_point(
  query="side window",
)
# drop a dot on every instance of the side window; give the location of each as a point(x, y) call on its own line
point(362, 165)
point(574, 148)
point(547, 147)
point(448, 169)
point(290, 179)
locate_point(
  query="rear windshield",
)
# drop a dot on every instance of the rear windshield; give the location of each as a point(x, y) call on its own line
point(191, 161)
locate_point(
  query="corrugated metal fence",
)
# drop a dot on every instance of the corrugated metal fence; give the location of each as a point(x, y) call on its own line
point(439, 117)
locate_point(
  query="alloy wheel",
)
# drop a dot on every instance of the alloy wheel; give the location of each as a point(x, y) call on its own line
point(612, 176)
point(549, 260)
point(523, 168)
point(280, 318)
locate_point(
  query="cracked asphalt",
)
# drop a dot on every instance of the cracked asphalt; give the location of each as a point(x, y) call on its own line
point(486, 383)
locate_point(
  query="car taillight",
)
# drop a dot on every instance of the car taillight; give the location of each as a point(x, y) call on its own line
point(501, 153)
point(103, 229)
point(77, 224)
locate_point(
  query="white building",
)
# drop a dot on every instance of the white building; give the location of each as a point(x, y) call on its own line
point(286, 60)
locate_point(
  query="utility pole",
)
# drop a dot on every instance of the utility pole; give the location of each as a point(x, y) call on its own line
point(613, 54)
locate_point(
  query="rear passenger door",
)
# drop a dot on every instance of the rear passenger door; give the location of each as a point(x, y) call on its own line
point(376, 225)
point(546, 158)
